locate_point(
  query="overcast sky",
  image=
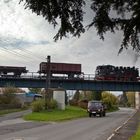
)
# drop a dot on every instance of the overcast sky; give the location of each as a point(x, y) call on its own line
point(27, 39)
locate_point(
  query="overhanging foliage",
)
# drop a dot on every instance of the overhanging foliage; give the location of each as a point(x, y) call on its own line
point(110, 15)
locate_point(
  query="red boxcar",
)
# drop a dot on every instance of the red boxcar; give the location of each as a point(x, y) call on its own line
point(60, 68)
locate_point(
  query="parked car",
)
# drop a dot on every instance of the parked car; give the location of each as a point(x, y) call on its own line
point(96, 108)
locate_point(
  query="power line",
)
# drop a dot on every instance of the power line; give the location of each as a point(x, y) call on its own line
point(16, 54)
point(30, 53)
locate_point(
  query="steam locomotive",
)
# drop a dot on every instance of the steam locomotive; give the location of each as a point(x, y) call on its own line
point(109, 72)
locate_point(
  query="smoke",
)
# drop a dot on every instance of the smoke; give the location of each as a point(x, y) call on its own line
point(7, 1)
point(136, 57)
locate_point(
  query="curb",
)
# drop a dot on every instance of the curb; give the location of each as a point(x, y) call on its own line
point(118, 128)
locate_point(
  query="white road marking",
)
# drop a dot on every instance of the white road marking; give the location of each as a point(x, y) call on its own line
point(116, 130)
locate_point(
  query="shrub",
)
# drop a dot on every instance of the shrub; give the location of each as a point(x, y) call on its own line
point(73, 102)
point(25, 106)
point(109, 99)
point(38, 105)
point(9, 100)
point(83, 104)
point(51, 104)
point(113, 108)
point(16, 103)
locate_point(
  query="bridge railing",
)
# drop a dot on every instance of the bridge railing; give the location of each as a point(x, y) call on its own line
point(35, 75)
point(89, 76)
point(32, 75)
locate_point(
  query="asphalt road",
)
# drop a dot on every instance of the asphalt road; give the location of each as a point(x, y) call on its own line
point(95, 128)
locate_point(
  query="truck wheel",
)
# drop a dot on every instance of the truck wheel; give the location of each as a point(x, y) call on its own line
point(104, 114)
point(90, 114)
point(101, 114)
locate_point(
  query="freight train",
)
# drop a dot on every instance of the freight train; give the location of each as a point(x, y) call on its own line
point(73, 71)
point(12, 71)
point(103, 72)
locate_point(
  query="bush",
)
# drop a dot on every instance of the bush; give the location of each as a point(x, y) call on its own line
point(25, 106)
point(9, 106)
point(16, 103)
point(83, 104)
point(113, 108)
point(110, 100)
point(73, 102)
point(9, 100)
point(51, 104)
point(38, 105)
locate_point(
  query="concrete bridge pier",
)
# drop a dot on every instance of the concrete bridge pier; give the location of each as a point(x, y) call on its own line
point(59, 96)
point(137, 100)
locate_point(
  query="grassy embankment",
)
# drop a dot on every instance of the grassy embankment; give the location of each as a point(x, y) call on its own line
point(58, 115)
point(137, 135)
point(7, 111)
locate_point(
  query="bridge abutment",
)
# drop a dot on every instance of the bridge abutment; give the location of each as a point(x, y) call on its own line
point(137, 100)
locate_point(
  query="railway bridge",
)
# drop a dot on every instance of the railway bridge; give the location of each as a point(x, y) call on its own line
point(70, 84)
point(88, 83)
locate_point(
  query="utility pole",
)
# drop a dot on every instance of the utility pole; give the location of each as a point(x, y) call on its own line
point(48, 76)
point(48, 81)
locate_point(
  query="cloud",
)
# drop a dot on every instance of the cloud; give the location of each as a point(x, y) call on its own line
point(19, 23)
point(7, 1)
point(19, 43)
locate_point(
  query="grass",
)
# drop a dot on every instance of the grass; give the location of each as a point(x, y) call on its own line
point(136, 136)
point(57, 115)
point(7, 111)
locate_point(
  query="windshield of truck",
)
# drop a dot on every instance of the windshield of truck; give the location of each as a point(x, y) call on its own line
point(95, 104)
